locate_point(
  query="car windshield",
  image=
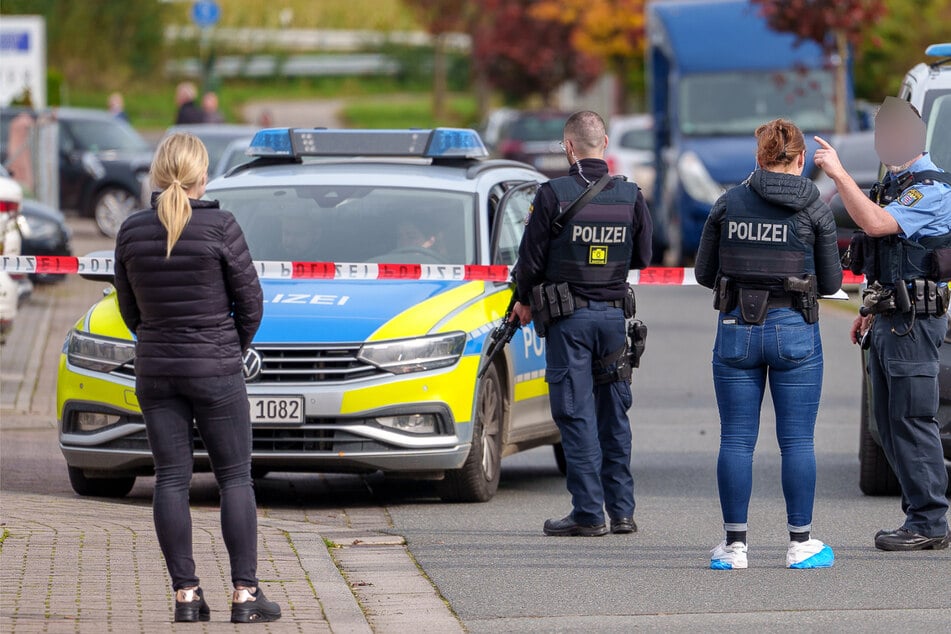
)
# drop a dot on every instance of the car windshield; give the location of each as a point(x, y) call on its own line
point(326, 223)
point(104, 135)
point(939, 130)
point(736, 103)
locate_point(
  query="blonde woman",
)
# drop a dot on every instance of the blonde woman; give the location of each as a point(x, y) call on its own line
point(188, 291)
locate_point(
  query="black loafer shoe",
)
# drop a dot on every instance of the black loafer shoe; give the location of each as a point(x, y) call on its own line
point(567, 526)
point(904, 539)
point(623, 525)
point(191, 611)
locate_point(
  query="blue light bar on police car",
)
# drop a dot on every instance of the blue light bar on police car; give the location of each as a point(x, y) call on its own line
point(439, 143)
point(270, 142)
point(939, 50)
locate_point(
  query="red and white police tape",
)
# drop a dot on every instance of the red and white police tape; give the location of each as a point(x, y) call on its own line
point(52, 264)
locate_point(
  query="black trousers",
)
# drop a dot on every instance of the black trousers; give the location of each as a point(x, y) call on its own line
point(219, 408)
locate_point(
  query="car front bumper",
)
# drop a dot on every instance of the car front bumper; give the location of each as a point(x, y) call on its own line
point(340, 432)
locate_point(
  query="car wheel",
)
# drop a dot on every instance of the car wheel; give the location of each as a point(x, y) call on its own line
point(99, 487)
point(560, 458)
point(112, 206)
point(478, 479)
point(875, 474)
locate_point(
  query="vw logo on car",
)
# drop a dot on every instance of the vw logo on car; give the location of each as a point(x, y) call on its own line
point(251, 363)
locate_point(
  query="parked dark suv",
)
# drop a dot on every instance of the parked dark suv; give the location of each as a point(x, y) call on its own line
point(533, 137)
point(103, 163)
point(928, 88)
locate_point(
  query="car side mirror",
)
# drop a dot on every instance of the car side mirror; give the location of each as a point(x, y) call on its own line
point(98, 266)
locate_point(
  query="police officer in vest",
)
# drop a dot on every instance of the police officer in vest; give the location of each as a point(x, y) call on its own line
point(905, 254)
point(571, 278)
point(768, 249)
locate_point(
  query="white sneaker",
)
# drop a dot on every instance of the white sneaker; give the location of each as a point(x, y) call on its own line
point(809, 554)
point(730, 557)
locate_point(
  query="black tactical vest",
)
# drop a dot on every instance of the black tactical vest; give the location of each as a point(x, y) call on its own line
point(758, 241)
point(891, 259)
point(594, 249)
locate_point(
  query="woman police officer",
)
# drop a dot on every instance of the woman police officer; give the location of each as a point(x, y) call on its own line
point(769, 248)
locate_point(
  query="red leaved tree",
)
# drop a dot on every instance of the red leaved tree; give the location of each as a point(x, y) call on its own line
point(833, 25)
point(522, 55)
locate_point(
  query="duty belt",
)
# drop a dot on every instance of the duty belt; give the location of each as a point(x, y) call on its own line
point(581, 302)
point(780, 301)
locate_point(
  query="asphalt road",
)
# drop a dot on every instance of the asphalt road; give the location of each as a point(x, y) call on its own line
point(500, 573)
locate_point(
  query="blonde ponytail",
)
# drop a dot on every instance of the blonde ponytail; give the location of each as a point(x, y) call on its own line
point(180, 163)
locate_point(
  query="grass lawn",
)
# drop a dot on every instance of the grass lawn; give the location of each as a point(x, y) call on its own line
point(370, 103)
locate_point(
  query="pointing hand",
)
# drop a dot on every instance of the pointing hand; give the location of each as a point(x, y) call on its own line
point(827, 159)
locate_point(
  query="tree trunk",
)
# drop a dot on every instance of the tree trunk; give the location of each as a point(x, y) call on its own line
point(440, 70)
point(841, 87)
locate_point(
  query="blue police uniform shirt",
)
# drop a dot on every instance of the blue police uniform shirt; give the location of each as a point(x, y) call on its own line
point(923, 209)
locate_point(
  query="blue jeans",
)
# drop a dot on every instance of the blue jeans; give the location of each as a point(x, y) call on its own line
point(219, 408)
point(592, 419)
point(788, 352)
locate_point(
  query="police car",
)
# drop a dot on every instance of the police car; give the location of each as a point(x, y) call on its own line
point(927, 86)
point(383, 255)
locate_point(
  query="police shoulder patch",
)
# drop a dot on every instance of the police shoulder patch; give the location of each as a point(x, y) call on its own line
point(910, 197)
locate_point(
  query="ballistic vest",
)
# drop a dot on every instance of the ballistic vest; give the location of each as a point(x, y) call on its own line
point(595, 247)
point(891, 259)
point(759, 243)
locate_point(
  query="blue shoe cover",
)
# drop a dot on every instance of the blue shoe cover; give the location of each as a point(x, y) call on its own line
point(822, 559)
point(719, 564)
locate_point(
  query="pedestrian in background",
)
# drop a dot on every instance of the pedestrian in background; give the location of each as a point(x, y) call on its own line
point(585, 266)
point(907, 228)
point(185, 100)
point(188, 291)
point(769, 249)
point(209, 108)
point(117, 106)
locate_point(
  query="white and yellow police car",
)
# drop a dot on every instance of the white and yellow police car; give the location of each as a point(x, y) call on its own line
point(383, 256)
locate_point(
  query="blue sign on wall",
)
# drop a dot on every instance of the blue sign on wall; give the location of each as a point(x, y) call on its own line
point(205, 13)
point(15, 42)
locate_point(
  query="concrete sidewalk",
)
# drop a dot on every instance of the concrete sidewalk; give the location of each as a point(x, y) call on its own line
point(71, 564)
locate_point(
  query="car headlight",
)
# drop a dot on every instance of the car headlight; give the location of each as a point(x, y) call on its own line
point(38, 228)
point(696, 180)
point(101, 354)
point(93, 166)
point(415, 355)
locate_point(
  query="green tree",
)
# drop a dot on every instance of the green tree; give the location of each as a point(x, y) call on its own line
point(897, 42)
point(440, 17)
point(102, 44)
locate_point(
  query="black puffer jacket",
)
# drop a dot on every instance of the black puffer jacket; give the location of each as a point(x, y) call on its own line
point(194, 313)
point(813, 219)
